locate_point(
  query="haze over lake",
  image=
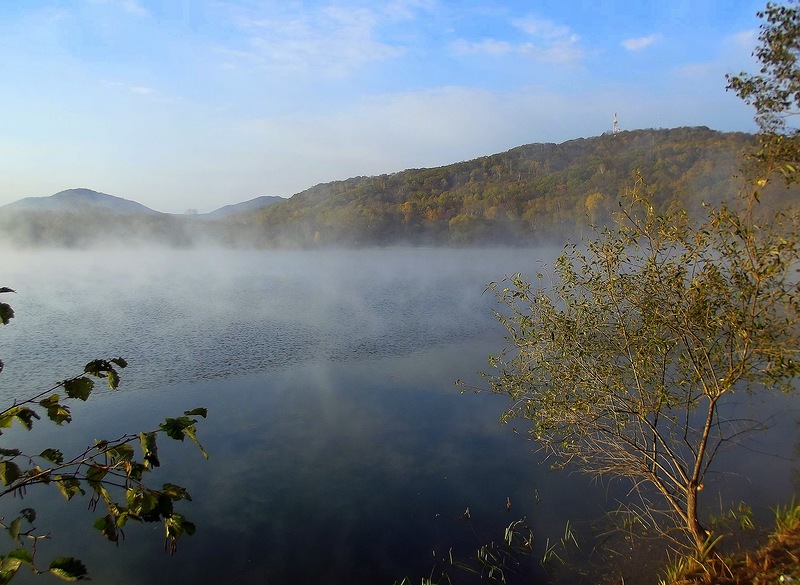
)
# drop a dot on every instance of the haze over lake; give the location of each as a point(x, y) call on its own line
point(340, 451)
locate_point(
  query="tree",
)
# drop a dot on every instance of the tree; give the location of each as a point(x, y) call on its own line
point(775, 91)
point(109, 471)
point(625, 361)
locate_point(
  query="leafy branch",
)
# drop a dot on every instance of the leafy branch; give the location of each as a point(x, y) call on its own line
point(109, 471)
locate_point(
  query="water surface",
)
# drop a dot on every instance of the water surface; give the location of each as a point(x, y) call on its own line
point(340, 450)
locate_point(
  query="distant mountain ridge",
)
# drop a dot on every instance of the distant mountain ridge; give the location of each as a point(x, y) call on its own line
point(243, 207)
point(541, 193)
point(81, 200)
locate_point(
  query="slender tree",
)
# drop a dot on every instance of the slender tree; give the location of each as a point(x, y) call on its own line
point(626, 360)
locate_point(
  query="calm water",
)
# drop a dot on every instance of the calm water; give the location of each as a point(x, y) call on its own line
point(340, 450)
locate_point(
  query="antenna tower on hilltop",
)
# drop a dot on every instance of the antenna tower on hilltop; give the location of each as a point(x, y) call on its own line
point(615, 127)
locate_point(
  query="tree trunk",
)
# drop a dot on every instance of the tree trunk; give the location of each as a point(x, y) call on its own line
point(699, 534)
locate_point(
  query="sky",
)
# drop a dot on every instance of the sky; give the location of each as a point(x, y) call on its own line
point(197, 104)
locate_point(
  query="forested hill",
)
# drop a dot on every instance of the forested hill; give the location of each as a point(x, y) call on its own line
point(530, 194)
point(538, 193)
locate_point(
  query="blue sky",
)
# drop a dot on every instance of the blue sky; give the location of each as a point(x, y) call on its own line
point(183, 104)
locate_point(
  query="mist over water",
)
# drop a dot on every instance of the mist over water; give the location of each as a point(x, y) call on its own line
point(183, 315)
point(340, 450)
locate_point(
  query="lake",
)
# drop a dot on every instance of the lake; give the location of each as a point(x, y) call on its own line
point(340, 450)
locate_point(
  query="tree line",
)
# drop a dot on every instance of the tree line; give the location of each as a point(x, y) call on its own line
point(529, 195)
point(533, 194)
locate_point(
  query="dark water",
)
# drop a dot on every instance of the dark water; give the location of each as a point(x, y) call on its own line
point(340, 450)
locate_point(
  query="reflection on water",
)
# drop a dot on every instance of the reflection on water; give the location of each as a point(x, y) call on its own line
point(340, 451)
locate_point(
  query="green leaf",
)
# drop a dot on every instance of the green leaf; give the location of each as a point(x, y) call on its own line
point(79, 388)
point(178, 428)
point(191, 433)
point(6, 313)
point(176, 492)
point(120, 362)
point(141, 501)
point(188, 527)
point(9, 472)
point(113, 379)
point(14, 528)
point(107, 526)
point(162, 509)
point(58, 413)
point(28, 513)
point(149, 448)
point(197, 412)
point(25, 416)
point(9, 452)
point(52, 455)
point(49, 401)
point(69, 569)
point(37, 474)
point(95, 473)
point(22, 413)
point(22, 555)
point(174, 427)
point(105, 369)
point(176, 526)
point(8, 568)
point(123, 517)
point(12, 562)
point(97, 368)
point(121, 453)
point(68, 485)
point(137, 470)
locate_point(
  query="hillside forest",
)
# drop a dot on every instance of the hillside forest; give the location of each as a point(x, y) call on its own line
point(530, 195)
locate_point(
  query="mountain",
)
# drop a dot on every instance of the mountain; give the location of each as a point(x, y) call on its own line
point(80, 201)
point(529, 195)
point(245, 206)
point(82, 218)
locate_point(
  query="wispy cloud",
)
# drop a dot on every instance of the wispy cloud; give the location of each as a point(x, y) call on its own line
point(408, 9)
point(142, 90)
point(486, 46)
point(334, 39)
point(639, 43)
point(547, 41)
point(133, 7)
point(129, 6)
point(697, 70)
point(550, 41)
point(543, 29)
point(565, 51)
point(150, 93)
point(745, 40)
